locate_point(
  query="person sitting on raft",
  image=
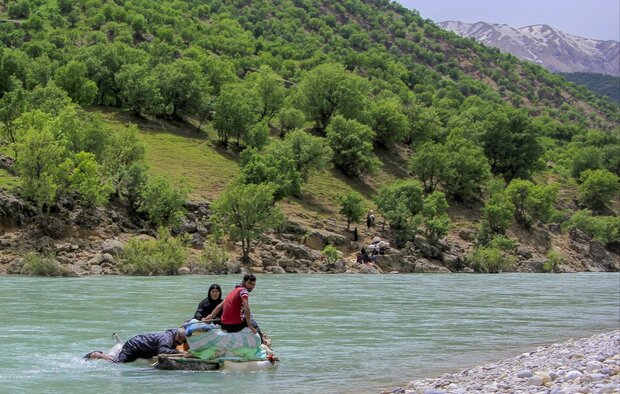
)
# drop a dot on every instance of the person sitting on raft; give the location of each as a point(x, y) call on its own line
point(206, 306)
point(145, 346)
point(236, 315)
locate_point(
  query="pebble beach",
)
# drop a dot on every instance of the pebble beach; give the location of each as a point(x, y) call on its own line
point(586, 365)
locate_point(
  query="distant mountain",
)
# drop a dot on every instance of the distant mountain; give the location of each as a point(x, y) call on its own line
point(553, 49)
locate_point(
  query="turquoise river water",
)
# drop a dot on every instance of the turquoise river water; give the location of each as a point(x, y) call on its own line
point(333, 333)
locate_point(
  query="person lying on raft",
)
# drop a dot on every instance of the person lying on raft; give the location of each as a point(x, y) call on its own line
point(206, 306)
point(145, 346)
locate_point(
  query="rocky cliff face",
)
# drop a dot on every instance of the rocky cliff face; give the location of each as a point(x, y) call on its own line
point(542, 44)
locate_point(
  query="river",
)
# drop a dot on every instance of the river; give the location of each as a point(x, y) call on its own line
point(333, 333)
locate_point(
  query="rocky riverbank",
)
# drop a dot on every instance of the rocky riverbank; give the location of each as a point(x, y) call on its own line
point(92, 243)
point(587, 365)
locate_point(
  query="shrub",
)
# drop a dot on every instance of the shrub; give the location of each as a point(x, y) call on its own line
point(214, 258)
point(36, 264)
point(603, 228)
point(331, 253)
point(161, 256)
point(554, 258)
point(490, 259)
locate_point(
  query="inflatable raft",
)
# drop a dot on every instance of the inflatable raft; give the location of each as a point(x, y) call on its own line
point(211, 349)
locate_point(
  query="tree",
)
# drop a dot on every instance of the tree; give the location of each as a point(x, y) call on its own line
point(424, 124)
point(586, 158)
point(161, 202)
point(12, 105)
point(532, 202)
point(139, 90)
point(327, 89)
point(244, 213)
point(388, 121)
point(351, 207)
point(72, 78)
point(468, 168)
point(498, 211)
point(269, 87)
point(351, 142)
point(436, 220)
point(234, 113)
point(290, 119)
point(270, 168)
point(310, 153)
point(430, 165)
point(183, 87)
point(511, 145)
point(400, 203)
point(597, 188)
point(39, 155)
point(83, 176)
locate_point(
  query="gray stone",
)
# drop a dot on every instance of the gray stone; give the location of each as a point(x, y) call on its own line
point(96, 260)
point(535, 381)
point(572, 375)
point(96, 269)
point(276, 269)
point(112, 246)
point(184, 271)
point(525, 373)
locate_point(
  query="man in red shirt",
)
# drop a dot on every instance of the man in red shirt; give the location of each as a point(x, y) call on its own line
point(236, 306)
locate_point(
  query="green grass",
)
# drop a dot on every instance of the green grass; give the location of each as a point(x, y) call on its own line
point(179, 153)
point(8, 181)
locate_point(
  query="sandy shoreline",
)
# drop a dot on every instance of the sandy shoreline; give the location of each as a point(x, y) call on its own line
point(586, 365)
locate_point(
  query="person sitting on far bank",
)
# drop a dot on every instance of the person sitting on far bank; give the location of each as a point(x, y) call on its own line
point(206, 306)
point(145, 346)
point(236, 305)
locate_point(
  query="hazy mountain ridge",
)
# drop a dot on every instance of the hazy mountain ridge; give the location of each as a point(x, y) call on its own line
point(551, 48)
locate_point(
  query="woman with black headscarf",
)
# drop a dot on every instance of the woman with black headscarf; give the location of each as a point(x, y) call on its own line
point(206, 306)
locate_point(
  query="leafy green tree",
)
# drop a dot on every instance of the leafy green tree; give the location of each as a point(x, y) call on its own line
point(72, 78)
point(436, 220)
point(162, 202)
point(12, 105)
point(83, 176)
point(388, 121)
point(468, 169)
point(511, 145)
point(328, 89)
point(182, 86)
point(351, 143)
point(257, 135)
point(351, 207)
point(227, 37)
point(430, 165)
point(270, 168)
point(245, 212)
point(234, 113)
point(49, 99)
point(598, 187)
point(269, 87)
point(532, 202)
point(424, 124)
point(123, 151)
point(290, 119)
point(401, 203)
point(586, 158)
point(139, 90)
point(310, 153)
point(39, 155)
point(497, 212)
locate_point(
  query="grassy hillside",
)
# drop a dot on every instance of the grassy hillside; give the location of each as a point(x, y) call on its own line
point(369, 80)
